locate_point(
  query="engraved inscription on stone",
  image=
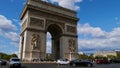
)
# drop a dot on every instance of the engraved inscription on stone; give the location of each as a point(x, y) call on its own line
point(71, 29)
point(36, 22)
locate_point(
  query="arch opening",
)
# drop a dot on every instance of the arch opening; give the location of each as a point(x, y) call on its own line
point(55, 32)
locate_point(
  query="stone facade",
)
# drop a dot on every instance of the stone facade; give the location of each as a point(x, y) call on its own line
point(38, 18)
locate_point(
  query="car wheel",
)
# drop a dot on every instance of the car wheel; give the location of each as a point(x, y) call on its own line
point(73, 64)
point(89, 65)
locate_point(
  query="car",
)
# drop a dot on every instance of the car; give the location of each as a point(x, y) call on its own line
point(115, 60)
point(3, 62)
point(63, 61)
point(99, 61)
point(80, 62)
point(102, 61)
point(15, 62)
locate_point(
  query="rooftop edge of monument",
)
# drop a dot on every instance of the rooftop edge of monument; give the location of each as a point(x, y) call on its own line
point(48, 6)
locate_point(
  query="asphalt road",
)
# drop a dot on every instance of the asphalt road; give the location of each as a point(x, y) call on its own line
point(53, 65)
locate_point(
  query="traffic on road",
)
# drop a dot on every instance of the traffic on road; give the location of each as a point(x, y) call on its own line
point(55, 65)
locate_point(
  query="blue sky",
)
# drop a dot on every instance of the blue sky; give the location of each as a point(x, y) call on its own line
point(98, 27)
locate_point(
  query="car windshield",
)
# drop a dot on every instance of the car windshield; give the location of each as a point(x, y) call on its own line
point(15, 59)
point(63, 59)
point(77, 60)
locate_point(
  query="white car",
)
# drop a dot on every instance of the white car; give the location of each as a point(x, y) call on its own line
point(63, 61)
point(15, 62)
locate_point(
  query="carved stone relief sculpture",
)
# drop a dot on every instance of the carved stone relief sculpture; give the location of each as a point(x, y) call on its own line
point(36, 22)
point(35, 42)
point(71, 29)
point(71, 45)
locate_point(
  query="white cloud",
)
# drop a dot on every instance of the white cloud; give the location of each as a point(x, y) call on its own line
point(86, 29)
point(49, 47)
point(49, 44)
point(7, 29)
point(117, 20)
point(78, 0)
point(12, 35)
point(45, 0)
point(6, 24)
point(98, 39)
point(54, 1)
point(70, 4)
point(15, 52)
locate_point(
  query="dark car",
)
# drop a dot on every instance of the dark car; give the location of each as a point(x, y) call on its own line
point(102, 61)
point(79, 62)
point(115, 61)
point(3, 62)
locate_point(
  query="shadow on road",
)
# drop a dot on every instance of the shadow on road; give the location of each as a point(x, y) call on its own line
point(23, 66)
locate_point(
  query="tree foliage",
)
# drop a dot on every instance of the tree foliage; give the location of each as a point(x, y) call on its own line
point(7, 56)
point(84, 56)
point(118, 55)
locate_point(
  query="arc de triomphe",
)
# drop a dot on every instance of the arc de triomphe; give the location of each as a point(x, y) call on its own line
point(40, 17)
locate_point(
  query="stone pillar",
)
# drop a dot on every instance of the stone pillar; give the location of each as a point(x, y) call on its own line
point(20, 48)
point(43, 45)
point(26, 46)
point(67, 51)
point(62, 47)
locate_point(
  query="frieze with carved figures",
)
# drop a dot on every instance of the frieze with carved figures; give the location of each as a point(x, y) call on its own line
point(36, 22)
point(71, 29)
point(55, 17)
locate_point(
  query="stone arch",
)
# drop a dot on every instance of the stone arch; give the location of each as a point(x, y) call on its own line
point(60, 25)
point(38, 18)
point(56, 33)
point(54, 29)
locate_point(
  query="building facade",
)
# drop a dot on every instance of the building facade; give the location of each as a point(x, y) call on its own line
point(106, 53)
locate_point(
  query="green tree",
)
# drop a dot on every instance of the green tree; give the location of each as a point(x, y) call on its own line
point(7, 56)
point(100, 57)
point(13, 55)
point(118, 55)
point(83, 56)
point(90, 56)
